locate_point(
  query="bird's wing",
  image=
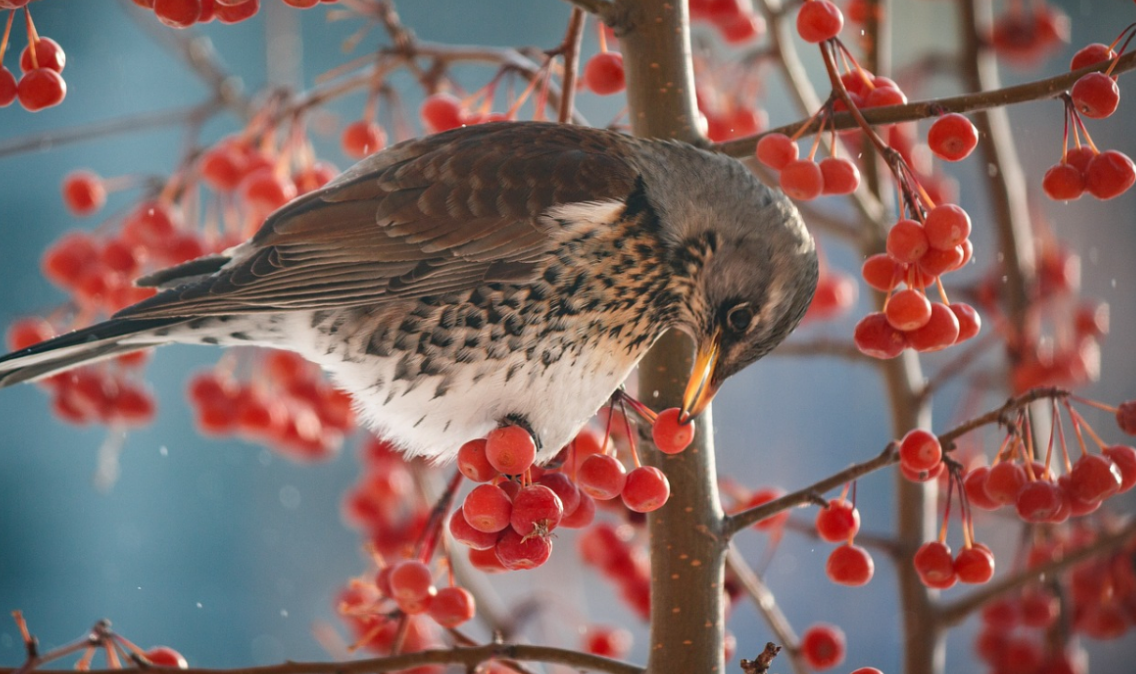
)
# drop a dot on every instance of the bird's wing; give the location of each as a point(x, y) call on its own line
point(432, 216)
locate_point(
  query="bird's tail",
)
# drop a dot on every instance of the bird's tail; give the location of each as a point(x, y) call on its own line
point(111, 338)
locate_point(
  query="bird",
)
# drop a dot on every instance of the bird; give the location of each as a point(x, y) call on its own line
point(508, 273)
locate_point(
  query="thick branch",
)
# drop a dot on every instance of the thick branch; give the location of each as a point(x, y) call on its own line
point(468, 656)
point(957, 611)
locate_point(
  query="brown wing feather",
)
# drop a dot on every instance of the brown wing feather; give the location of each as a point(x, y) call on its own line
point(435, 215)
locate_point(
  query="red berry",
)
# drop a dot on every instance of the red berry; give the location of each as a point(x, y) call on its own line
point(1109, 174)
point(41, 88)
point(1094, 478)
point(672, 436)
point(48, 55)
point(1090, 55)
point(974, 564)
point(582, 515)
point(486, 561)
point(934, 565)
point(536, 509)
point(802, 178)
point(441, 112)
point(264, 191)
point(946, 226)
point(1063, 182)
point(776, 150)
point(922, 475)
point(940, 331)
point(952, 137)
point(473, 463)
point(28, 331)
point(1096, 95)
point(1124, 458)
point(975, 485)
point(1126, 416)
point(412, 586)
point(452, 606)
point(1038, 501)
point(907, 241)
point(838, 521)
point(761, 497)
point(850, 565)
point(238, 11)
point(8, 87)
point(164, 656)
point(603, 73)
point(881, 272)
point(178, 13)
point(835, 294)
point(875, 337)
point(463, 532)
point(83, 192)
point(743, 29)
point(840, 175)
point(822, 646)
point(564, 488)
point(908, 309)
point(487, 508)
point(1004, 481)
point(609, 642)
point(361, 138)
point(601, 477)
point(920, 450)
point(510, 449)
point(883, 96)
point(647, 489)
point(819, 20)
point(518, 552)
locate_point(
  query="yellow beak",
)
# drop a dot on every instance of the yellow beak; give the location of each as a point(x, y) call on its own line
point(701, 388)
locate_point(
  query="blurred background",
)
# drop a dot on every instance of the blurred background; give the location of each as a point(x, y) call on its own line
point(231, 554)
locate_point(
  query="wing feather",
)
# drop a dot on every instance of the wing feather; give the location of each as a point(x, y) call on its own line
point(431, 216)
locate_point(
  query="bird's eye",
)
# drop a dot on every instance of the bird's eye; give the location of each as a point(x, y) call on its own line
point(740, 317)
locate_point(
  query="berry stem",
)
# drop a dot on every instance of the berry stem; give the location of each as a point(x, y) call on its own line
point(33, 37)
point(7, 34)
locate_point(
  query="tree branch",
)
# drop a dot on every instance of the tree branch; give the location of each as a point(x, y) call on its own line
point(957, 611)
point(983, 100)
point(468, 656)
point(766, 604)
point(742, 519)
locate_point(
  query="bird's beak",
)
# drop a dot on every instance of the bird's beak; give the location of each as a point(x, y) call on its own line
point(702, 386)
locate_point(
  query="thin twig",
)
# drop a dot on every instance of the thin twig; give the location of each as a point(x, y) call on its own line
point(110, 127)
point(766, 604)
point(822, 347)
point(570, 51)
point(955, 612)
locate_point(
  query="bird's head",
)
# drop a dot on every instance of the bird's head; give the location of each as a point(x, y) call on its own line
point(745, 259)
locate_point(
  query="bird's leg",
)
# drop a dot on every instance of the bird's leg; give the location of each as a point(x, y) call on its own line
point(621, 398)
point(518, 419)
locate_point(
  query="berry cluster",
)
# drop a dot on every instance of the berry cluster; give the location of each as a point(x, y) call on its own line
point(107, 393)
point(918, 253)
point(610, 549)
point(286, 405)
point(848, 564)
point(1025, 36)
point(1084, 168)
point(735, 20)
point(41, 83)
point(185, 13)
point(1018, 630)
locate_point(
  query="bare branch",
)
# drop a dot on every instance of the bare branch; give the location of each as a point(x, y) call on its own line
point(822, 347)
point(570, 50)
point(468, 656)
